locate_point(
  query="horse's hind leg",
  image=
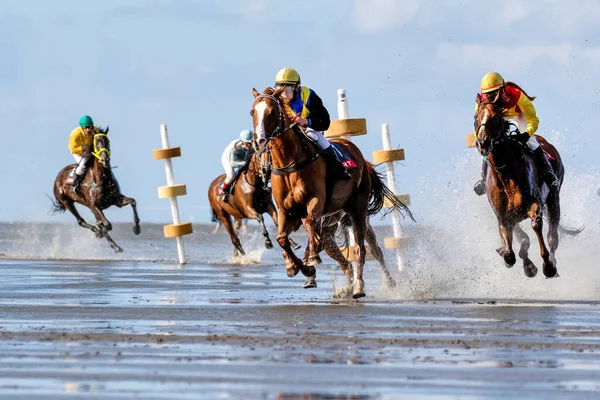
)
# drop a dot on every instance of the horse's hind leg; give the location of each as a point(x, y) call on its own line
point(332, 250)
point(553, 204)
point(506, 251)
point(528, 266)
point(537, 222)
point(71, 207)
point(123, 201)
point(261, 221)
point(378, 254)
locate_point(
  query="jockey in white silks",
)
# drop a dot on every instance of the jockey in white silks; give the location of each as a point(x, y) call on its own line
point(234, 157)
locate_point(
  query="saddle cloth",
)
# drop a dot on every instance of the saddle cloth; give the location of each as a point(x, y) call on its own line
point(342, 156)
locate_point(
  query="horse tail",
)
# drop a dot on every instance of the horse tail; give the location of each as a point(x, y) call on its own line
point(380, 193)
point(214, 217)
point(57, 206)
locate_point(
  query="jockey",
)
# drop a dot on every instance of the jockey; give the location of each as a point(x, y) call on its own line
point(310, 113)
point(516, 105)
point(234, 157)
point(80, 145)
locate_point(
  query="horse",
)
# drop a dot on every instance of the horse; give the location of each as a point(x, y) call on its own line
point(305, 189)
point(516, 190)
point(99, 191)
point(249, 199)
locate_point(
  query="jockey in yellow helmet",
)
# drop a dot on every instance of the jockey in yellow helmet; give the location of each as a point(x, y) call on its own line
point(516, 105)
point(310, 113)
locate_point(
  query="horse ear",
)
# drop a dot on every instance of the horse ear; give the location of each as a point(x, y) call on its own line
point(478, 99)
point(278, 91)
point(255, 93)
point(107, 129)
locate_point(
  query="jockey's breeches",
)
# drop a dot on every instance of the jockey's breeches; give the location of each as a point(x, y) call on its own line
point(81, 163)
point(317, 137)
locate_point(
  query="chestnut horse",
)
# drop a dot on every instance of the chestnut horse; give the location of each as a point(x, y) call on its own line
point(516, 190)
point(305, 189)
point(249, 198)
point(99, 190)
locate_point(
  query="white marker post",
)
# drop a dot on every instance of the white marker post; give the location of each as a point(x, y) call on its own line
point(344, 113)
point(171, 191)
point(391, 180)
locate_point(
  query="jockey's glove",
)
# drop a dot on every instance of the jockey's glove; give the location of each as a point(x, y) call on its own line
point(522, 137)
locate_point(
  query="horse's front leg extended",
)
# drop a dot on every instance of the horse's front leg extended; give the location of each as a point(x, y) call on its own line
point(104, 226)
point(272, 211)
point(506, 234)
point(537, 222)
point(123, 201)
point(285, 226)
point(528, 266)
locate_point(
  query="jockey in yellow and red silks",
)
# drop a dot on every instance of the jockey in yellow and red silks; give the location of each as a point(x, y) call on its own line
point(517, 106)
point(309, 113)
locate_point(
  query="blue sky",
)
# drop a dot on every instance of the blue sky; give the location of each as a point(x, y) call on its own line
point(192, 64)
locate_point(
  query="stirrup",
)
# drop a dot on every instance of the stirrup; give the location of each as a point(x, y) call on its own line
point(479, 188)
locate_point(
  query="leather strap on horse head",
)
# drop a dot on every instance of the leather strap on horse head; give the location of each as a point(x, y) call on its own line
point(97, 152)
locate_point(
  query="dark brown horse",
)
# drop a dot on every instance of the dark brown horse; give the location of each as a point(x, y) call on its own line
point(305, 189)
point(516, 190)
point(99, 190)
point(250, 199)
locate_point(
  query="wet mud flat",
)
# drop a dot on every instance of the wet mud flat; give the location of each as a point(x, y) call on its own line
point(151, 330)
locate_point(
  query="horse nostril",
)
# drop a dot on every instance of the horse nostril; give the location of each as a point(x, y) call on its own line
point(262, 140)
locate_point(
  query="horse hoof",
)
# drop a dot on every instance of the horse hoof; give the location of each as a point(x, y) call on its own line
point(311, 282)
point(292, 271)
point(309, 270)
point(296, 246)
point(530, 271)
point(118, 249)
point(137, 230)
point(391, 283)
point(343, 294)
point(268, 244)
point(358, 295)
point(550, 270)
point(314, 260)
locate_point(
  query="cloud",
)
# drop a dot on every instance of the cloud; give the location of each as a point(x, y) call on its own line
point(374, 15)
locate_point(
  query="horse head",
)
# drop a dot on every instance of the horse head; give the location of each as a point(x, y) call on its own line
point(102, 147)
point(490, 126)
point(268, 117)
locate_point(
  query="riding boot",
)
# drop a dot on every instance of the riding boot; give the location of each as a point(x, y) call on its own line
point(547, 171)
point(224, 191)
point(479, 187)
point(76, 185)
point(339, 168)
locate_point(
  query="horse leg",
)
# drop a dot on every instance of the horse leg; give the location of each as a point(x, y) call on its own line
point(359, 226)
point(333, 251)
point(506, 234)
point(293, 264)
point(123, 201)
point(232, 229)
point(378, 254)
point(528, 266)
point(553, 204)
point(272, 211)
point(312, 225)
point(537, 223)
point(261, 221)
point(105, 226)
point(80, 221)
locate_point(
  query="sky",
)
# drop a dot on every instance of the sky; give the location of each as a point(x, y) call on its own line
point(415, 65)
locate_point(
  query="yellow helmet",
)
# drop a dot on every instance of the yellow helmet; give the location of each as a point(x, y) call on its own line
point(287, 76)
point(491, 81)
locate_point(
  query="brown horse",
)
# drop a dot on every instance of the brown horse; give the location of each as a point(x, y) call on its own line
point(516, 190)
point(99, 190)
point(305, 189)
point(250, 199)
